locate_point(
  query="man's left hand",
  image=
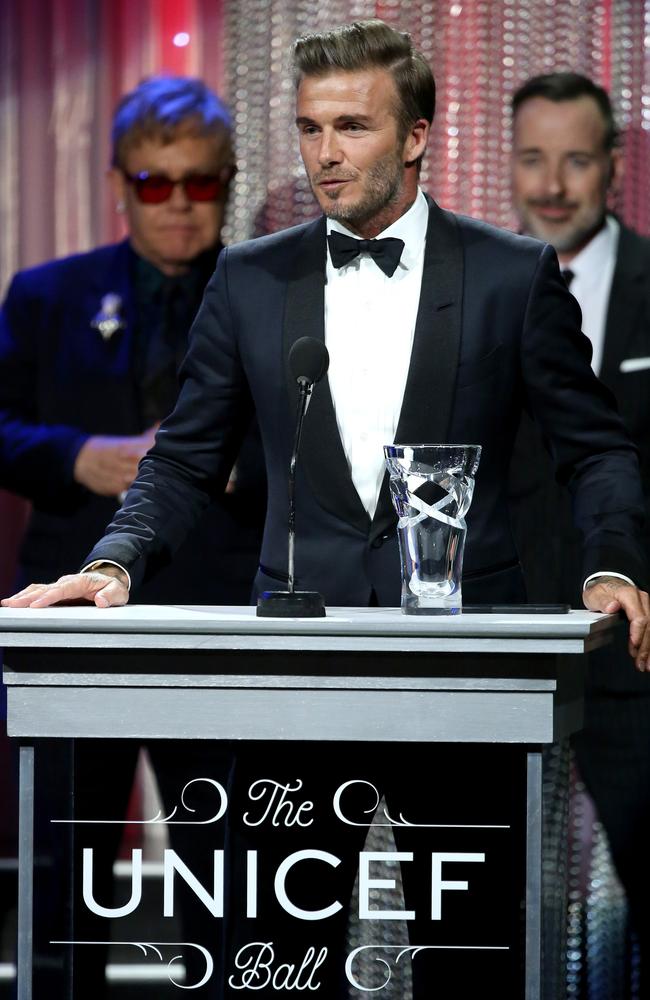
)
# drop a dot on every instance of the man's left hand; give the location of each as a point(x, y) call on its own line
point(609, 594)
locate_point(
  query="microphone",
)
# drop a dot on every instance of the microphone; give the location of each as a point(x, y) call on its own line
point(308, 362)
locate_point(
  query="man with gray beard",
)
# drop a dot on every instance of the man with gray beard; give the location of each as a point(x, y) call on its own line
point(565, 164)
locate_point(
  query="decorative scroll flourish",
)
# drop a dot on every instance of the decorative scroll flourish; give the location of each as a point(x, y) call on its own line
point(149, 948)
point(411, 950)
point(402, 821)
point(169, 820)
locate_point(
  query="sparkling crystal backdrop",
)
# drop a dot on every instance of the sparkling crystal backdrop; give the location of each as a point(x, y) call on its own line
point(480, 51)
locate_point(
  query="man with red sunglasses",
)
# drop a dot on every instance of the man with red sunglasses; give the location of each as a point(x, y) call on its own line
point(89, 352)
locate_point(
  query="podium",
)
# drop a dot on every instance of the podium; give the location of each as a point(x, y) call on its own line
point(360, 676)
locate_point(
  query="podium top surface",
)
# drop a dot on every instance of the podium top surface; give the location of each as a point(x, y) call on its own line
point(367, 674)
point(213, 627)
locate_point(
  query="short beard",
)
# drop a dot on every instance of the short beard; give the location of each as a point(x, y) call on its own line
point(574, 238)
point(383, 188)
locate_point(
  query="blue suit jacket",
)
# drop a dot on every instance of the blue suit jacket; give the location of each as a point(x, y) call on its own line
point(61, 382)
point(496, 331)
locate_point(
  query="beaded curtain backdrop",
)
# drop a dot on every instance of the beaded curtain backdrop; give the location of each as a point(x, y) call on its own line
point(480, 51)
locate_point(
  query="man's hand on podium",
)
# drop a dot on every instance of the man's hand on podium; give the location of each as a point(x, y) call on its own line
point(611, 594)
point(108, 588)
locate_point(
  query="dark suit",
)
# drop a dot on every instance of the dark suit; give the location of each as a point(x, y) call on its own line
point(614, 748)
point(60, 383)
point(493, 332)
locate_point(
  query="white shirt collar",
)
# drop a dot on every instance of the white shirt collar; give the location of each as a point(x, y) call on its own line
point(410, 227)
point(590, 263)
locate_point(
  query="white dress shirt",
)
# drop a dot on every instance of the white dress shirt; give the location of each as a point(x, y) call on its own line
point(593, 271)
point(369, 328)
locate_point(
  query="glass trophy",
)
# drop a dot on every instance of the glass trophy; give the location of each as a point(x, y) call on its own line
point(432, 487)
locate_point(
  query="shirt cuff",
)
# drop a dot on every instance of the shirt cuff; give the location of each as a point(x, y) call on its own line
point(604, 572)
point(109, 562)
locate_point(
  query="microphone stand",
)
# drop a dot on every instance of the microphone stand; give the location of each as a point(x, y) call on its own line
point(306, 388)
point(293, 603)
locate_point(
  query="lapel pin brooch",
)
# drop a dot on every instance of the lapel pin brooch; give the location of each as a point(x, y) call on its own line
point(108, 320)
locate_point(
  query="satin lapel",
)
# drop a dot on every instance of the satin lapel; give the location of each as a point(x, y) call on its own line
point(119, 279)
point(321, 451)
point(429, 394)
point(123, 281)
point(625, 307)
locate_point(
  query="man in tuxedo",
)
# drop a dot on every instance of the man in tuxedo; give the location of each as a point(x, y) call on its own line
point(439, 328)
point(565, 163)
point(90, 347)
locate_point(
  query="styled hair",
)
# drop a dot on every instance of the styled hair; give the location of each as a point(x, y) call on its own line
point(560, 87)
point(161, 108)
point(372, 45)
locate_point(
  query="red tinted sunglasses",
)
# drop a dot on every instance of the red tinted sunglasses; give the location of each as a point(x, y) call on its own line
point(152, 189)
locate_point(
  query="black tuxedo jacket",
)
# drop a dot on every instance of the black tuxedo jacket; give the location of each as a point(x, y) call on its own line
point(496, 331)
point(626, 356)
point(547, 539)
point(61, 382)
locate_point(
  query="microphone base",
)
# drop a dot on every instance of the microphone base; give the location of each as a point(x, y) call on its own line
point(288, 604)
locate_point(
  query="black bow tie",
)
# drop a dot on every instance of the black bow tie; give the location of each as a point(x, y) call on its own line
point(386, 253)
